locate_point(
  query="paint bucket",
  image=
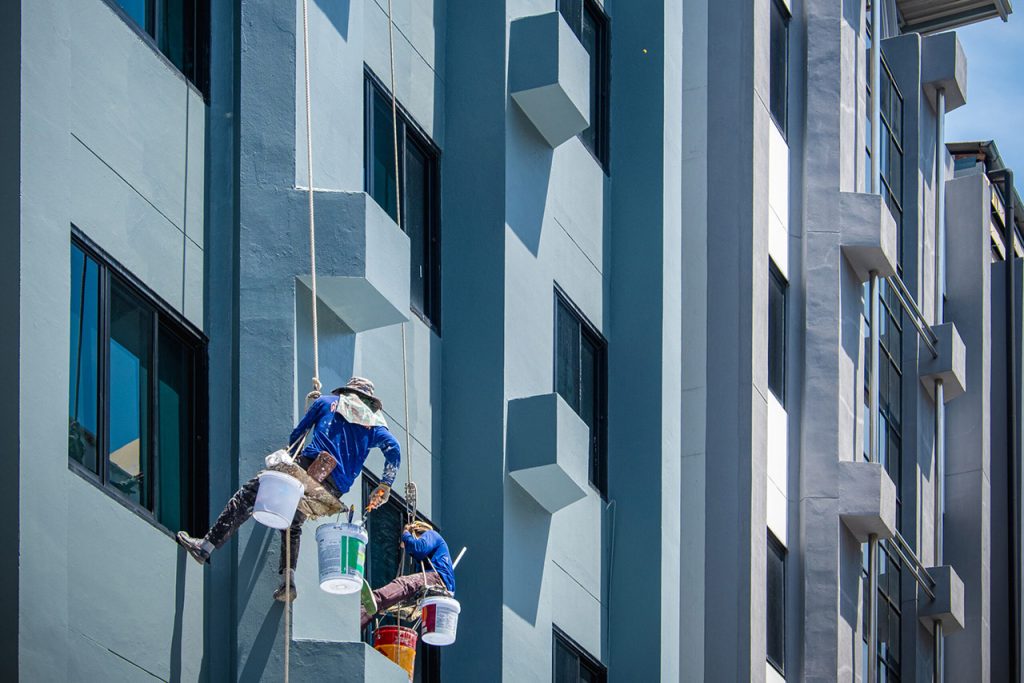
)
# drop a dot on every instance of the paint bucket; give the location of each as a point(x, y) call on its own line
point(341, 552)
point(440, 620)
point(277, 499)
point(398, 644)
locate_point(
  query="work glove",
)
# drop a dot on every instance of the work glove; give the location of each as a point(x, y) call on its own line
point(380, 495)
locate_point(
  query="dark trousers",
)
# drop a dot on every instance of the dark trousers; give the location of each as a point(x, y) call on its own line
point(239, 509)
point(400, 590)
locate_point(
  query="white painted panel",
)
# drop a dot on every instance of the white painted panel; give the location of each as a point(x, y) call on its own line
point(778, 244)
point(776, 513)
point(771, 675)
point(778, 196)
point(778, 444)
point(778, 468)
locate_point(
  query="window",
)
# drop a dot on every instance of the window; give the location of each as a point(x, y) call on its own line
point(136, 401)
point(779, 65)
point(419, 192)
point(580, 379)
point(775, 593)
point(890, 160)
point(384, 528)
point(179, 28)
point(570, 663)
point(590, 25)
point(777, 288)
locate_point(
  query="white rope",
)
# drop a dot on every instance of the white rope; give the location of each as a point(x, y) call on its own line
point(315, 393)
point(410, 487)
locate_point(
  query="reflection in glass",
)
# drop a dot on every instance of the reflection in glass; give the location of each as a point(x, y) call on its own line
point(131, 344)
point(83, 395)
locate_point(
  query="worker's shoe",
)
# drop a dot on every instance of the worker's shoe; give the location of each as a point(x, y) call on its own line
point(198, 548)
point(368, 599)
point(287, 586)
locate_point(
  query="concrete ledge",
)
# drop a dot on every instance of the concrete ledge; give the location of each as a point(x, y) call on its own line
point(549, 76)
point(362, 261)
point(548, 450)
point(943, 65)
point(317, 660)
point(948, 605)
point(867, 234)
point(867, 500)
point(950, 366)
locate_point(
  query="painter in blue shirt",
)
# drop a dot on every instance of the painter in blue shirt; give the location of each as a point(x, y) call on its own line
point(346, 424)
point(423, 545)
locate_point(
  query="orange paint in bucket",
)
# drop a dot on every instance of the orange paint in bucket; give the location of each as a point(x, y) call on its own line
point(398, 644)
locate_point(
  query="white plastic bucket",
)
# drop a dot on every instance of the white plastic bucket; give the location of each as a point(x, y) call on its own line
point(277, 499)
point(341, 552)
point(440, 620)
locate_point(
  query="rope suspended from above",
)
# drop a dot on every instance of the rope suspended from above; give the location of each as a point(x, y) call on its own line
point(315, 393)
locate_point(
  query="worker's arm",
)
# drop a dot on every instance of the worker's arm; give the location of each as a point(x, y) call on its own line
point(315, 412)
point(388, 445)
point(422, 547)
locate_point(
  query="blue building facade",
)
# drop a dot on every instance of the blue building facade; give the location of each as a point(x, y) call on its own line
point(612, 300)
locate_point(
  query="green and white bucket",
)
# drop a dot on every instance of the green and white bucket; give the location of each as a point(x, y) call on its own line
point(341, 551)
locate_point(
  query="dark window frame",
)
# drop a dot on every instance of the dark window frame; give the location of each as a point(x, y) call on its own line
point(409, 132)
point(197, 46)
point(783, 125)
point(598, 461)
point(776, 278)
point(195, 515)
point(592, 663)
point(775, 546)
point(574, 11)
point(428, 669)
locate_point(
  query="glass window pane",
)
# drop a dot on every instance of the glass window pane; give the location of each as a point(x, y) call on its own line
point(590, 402)
point(137, 10)
point(776, 334)
point(83, 395)
point(384, 528)
point(131, 352)
point(591, 38)
point(567, 356)
point(382, 155)
point(172, 30)
point(572, 12)
point(415, 222)
point(775, 591)
point(567, 665)
point(174, 398)
point(895, 173)
point(779, 58)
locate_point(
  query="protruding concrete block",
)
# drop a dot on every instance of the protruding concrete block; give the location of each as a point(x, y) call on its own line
point(867, 234)
point(950, 366)
point(548, 450)
point(362, 261)
point(344, 661)
point(867, 500)
point(943, 65)
point(549, 76)
point(948, 605)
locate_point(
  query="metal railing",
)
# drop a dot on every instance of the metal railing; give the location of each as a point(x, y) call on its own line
point(916, 317)
point(917, 569)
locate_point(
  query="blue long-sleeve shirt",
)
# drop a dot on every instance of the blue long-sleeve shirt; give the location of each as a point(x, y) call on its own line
point(348, 443)
point(431, 545)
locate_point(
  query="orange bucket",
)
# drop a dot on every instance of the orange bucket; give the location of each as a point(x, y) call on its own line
point(398, 644)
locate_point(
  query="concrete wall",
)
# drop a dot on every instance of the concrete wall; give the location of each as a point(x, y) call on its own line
point(114, 144)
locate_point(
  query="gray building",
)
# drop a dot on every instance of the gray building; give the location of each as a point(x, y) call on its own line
point(692, 327)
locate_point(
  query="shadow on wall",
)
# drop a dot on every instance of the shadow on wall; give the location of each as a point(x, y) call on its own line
point(337, 12)
point(528, 526)
point(253, 560)
point(337, 346)
point(529, 175)
point(179, 608)
point(262, 647)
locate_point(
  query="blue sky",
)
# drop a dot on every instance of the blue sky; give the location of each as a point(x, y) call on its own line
point(995, 88)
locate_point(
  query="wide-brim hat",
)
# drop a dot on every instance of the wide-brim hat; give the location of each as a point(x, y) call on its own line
point(361, 386)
